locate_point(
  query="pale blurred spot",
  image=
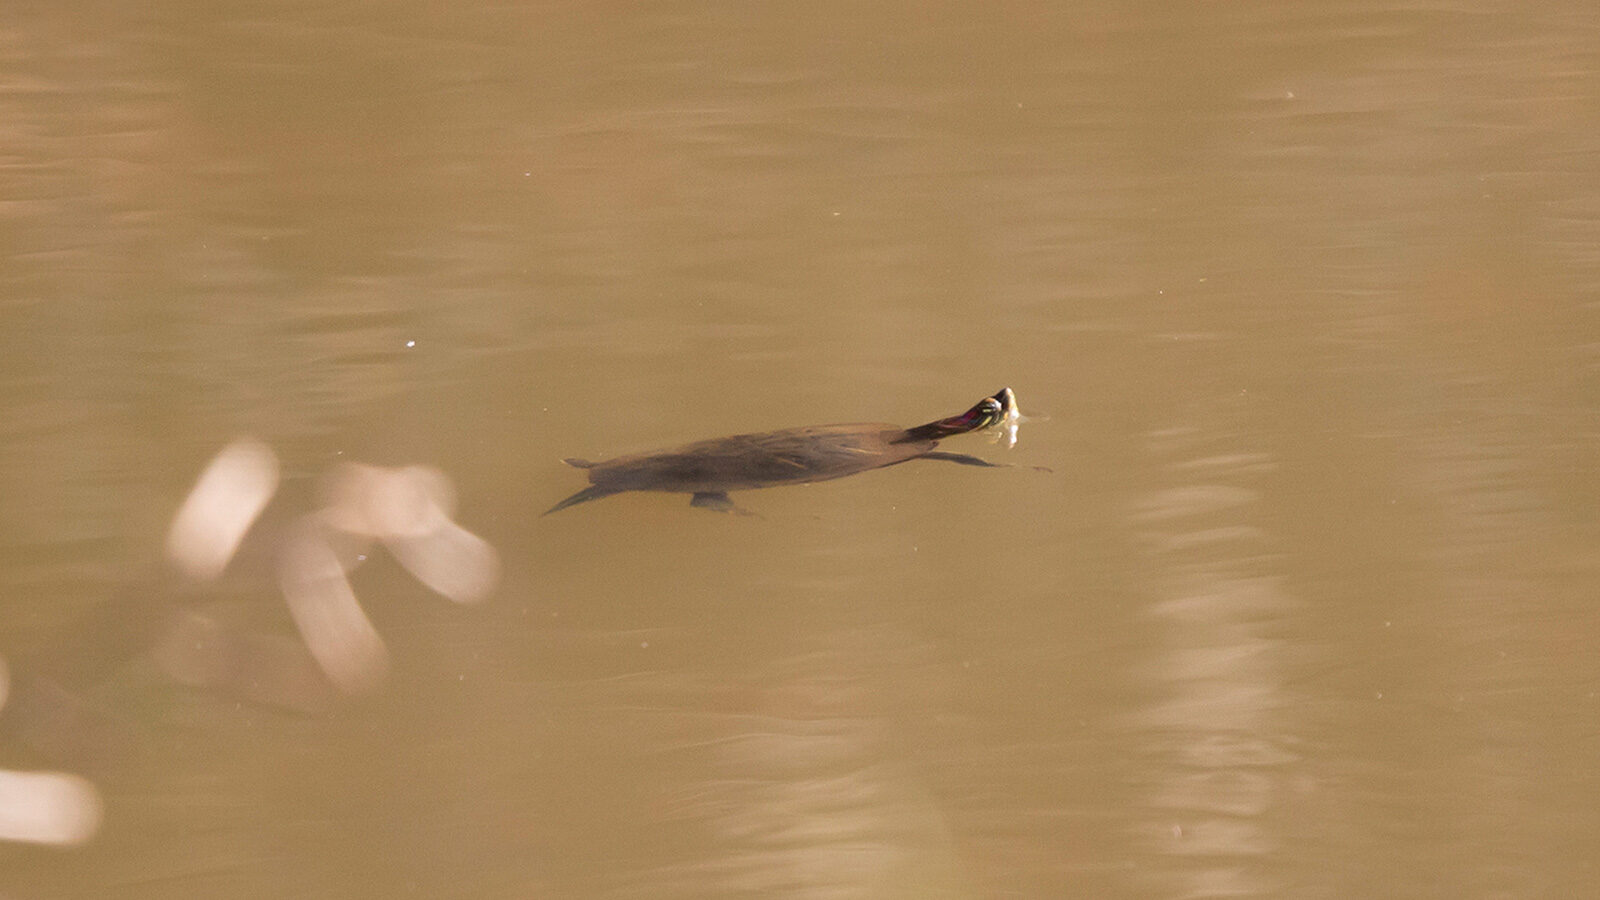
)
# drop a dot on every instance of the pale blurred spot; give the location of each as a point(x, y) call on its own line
point(337, 632)
point(5, 682)
point(47, 808)
point(197, 650)
point(226, 500)
point(410, 510)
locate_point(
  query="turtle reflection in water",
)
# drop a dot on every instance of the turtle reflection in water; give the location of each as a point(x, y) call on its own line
point(710, 469)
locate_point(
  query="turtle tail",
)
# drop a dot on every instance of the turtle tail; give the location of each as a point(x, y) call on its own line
point(593, 492)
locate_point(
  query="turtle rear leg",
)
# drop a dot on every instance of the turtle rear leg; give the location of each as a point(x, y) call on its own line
point(583, 496)
point(718, 501)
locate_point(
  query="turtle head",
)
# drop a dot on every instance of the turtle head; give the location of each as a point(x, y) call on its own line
point(987, 413)
point(1008, 405)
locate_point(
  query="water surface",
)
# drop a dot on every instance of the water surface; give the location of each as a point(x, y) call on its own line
point(1305, 608)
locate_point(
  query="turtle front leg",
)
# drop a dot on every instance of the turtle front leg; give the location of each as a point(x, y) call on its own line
point(964, 459)
point(718, 501)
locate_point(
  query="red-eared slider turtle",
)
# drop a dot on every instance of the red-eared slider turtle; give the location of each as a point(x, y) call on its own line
point(710, 469)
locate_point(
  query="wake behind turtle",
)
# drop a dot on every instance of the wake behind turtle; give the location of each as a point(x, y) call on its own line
point(710, 469)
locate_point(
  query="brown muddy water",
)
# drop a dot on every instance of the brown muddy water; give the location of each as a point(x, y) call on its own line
point(1305, 298)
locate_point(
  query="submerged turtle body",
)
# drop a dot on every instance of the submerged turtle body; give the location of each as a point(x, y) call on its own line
point(710, 469)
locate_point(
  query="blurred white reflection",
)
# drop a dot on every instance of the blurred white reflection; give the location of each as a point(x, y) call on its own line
point(1218, 732)
point(380, 502)
point(337, 632)
point(230, 494)
point(408, 509)
point(801, 788)
point(45, 807)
